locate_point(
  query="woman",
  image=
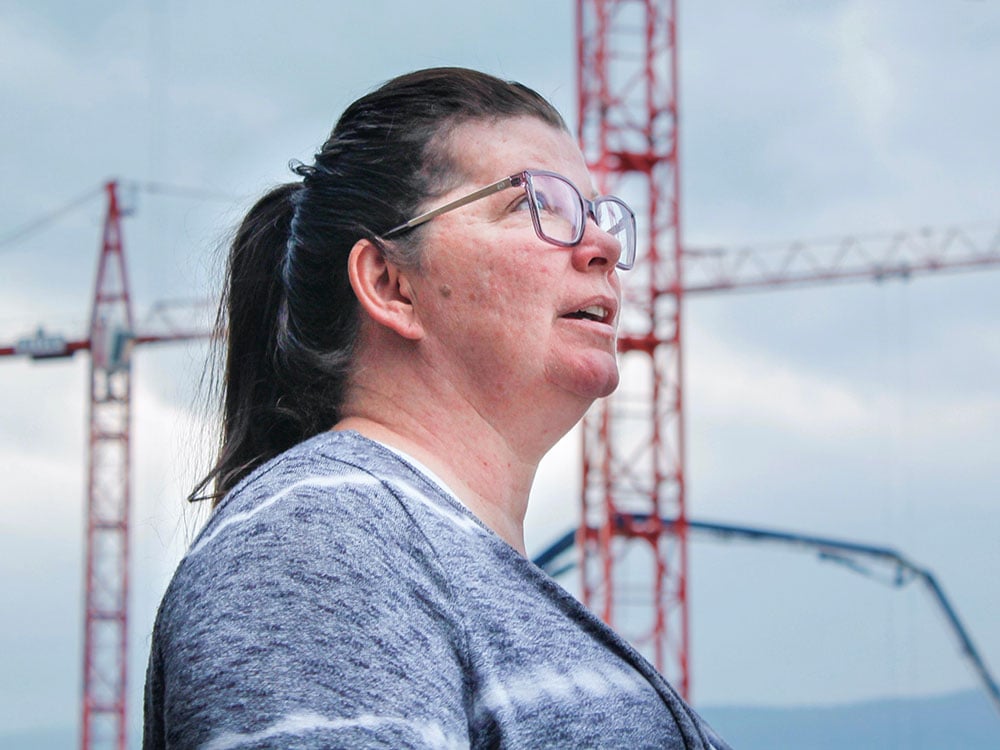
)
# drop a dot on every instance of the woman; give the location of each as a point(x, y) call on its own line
point(410, 328)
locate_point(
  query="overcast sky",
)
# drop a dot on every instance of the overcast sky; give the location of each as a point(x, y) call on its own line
point(869, 411)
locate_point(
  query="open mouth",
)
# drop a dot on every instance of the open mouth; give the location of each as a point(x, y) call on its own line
point(596, 313)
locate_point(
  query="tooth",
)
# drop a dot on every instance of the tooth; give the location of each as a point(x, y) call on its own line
point(595, 310)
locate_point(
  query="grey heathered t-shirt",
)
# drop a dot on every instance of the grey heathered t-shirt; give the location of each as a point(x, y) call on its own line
point(338, 598)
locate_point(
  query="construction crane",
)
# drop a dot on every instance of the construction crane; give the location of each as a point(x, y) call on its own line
point(634, 496)
point(110, 340)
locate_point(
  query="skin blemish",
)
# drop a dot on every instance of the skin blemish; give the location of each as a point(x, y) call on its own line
point(444, 290)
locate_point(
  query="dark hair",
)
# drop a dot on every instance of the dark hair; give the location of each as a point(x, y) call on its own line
point(288, 311)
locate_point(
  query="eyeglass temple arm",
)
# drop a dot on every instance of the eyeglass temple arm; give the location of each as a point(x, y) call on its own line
point(496, 187)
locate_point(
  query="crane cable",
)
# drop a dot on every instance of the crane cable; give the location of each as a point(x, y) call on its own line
point(152, 188)
point(46, 220)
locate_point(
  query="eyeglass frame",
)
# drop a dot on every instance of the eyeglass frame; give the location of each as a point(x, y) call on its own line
point(523, 179)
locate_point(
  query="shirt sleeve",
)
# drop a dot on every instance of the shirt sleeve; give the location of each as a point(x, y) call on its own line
point(322, 621)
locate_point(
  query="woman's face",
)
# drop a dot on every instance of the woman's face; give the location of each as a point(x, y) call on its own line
point(499, 306)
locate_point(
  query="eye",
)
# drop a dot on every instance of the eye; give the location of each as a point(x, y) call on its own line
point(521, 204)
point(543, 202)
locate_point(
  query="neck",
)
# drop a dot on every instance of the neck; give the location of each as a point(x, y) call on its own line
point(490, 478)
point(484, 442)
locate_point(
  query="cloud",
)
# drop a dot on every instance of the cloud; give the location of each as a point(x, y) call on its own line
point(866, 76)
point(750, 388)
point(50, 73)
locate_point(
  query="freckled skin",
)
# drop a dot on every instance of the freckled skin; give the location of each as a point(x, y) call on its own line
point(503, 339)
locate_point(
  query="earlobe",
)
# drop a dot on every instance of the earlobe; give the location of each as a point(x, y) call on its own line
point(383, 289)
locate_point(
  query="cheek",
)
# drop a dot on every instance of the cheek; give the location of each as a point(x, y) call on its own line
point(501, 290)
point(468, 306)
point(511, 287)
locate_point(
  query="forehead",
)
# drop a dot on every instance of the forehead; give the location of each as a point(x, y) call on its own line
point(486, 151)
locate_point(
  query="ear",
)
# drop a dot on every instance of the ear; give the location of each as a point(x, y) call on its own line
point(383, 289)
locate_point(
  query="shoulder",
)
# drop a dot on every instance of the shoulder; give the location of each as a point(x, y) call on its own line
point(330, 481)
point(313, 536)
point(328, 503)
point(309, 587)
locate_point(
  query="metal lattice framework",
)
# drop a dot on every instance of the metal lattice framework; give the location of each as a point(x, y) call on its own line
point(107, 547)
point(633, 441)
point(841, 259)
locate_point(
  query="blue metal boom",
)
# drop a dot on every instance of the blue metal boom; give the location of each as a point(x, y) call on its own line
point(850, 554)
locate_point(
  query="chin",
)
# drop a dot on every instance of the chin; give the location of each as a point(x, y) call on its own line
point(591, 379)
point(607, 386)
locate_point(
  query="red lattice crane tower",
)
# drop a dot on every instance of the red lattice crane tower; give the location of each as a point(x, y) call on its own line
point(633, 442)
point(107, 545)
point(633, 534)
point(111, 339)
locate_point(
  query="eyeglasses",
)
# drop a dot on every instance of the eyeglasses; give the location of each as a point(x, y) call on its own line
point(558, 211)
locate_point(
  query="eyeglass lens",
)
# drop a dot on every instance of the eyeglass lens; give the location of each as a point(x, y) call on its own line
point(560, 212)
point(561, 216)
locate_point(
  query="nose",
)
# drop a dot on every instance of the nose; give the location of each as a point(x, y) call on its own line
point(597, 248)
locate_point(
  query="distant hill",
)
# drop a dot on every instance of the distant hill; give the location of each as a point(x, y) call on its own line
point(958, 721)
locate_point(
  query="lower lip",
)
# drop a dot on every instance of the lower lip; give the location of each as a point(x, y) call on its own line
point(596, 325)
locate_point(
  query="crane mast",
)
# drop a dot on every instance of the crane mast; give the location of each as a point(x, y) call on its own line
point(107, 529)
point(633, 441)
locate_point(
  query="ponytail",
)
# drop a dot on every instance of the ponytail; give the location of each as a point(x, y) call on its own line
point(260, 414)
